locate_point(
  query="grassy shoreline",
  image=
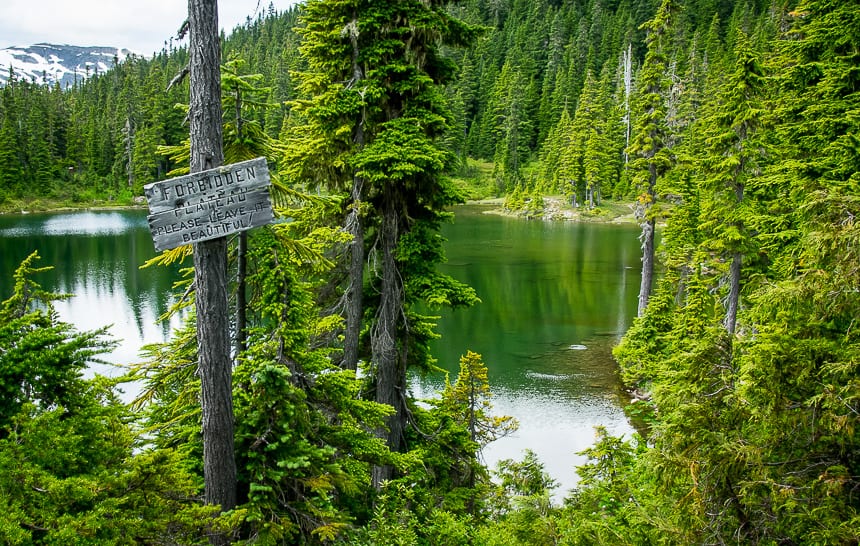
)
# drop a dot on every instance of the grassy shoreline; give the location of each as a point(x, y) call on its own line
point(557, 209)
point(19, 206)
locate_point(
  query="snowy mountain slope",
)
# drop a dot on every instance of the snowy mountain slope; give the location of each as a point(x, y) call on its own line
point(49, 63)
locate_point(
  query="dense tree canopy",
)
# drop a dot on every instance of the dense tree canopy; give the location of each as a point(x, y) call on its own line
point(731, 124)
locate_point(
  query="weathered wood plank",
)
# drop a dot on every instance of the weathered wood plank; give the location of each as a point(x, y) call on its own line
point(202, 186)
point(209, 204)
point(216, 218)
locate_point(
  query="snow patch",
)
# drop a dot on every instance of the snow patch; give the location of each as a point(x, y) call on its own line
point(63, 64)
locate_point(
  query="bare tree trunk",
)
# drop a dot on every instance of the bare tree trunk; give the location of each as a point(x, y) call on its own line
point(647, 238)
point(733, 302)
point(128, 130)
point(627, 62)
point(355, 227)
point(354, 292)
point(647, 224)
point(390, 368)
point(210, 265)
point(734, 293)
point(241, 254)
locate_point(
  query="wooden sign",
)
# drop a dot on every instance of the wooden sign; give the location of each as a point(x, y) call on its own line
point(209, 204)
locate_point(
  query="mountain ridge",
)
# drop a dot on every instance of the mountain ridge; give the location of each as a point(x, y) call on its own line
point(46, 63)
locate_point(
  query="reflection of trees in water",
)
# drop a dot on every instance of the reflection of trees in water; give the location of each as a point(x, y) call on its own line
point(98, 265)
point(542, 285)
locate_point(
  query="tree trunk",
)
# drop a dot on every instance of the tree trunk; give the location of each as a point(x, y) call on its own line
point(210, 265)
point(734, 293)
point(355, 227)
point(647, 238)
point(627, 62)
point(241, 253)
point(241, 296)
point(737, 257)
point(390, 369)
point(354, 292)
point(129, 148)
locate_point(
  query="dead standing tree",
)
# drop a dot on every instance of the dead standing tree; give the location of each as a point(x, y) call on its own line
point(210, 263)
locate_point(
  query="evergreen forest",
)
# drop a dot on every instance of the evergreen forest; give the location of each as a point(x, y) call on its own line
point(731, 128)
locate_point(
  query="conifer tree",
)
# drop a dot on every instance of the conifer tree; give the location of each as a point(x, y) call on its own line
point(244, 139)
point(585, 123)
point(10, 174)
point(558, 165)
point(549, 110)
point(800, 370)
point(375, 123)
point(510, 126)
point(334, 119)
point(650, 135)
point(735, 157)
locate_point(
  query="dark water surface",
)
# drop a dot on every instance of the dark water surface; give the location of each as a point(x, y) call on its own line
point(556, 298)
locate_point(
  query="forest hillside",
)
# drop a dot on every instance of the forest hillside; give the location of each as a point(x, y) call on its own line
point(730, 125)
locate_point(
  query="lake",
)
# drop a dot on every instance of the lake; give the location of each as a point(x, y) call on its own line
point(95, 257)
point(555, 298)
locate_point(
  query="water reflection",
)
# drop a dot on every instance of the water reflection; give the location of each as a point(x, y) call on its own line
point(73, 223)
point(95, 257)
point(555, 298)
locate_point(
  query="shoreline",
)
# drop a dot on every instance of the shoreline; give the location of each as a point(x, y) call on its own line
point(72, 209)
point(38, 206)
point(555, 209)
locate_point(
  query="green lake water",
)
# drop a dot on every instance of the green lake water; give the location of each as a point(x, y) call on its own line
point(96, 257)
point(555, 298)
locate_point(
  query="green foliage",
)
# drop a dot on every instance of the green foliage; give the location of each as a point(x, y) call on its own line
point(521, 506)
point(744, 121)
point(524, 204)
point(374, 119)
point(468, 402)
point(400, 518)
point(303, 434)
point(444, 490)
point(82, 478)
point(474, 180)
point(73, 468)
point(753, 426)
point(42, 358)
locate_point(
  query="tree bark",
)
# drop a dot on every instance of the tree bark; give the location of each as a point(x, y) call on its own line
point(734, 299)
point(241, 255)
point(647, 238)
point(734, 293)
point(354, 292)
point(129, 147)
point(355, 227)
point(241, 288)
point(210, 265)
point(627, 63)
point(390, 368)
